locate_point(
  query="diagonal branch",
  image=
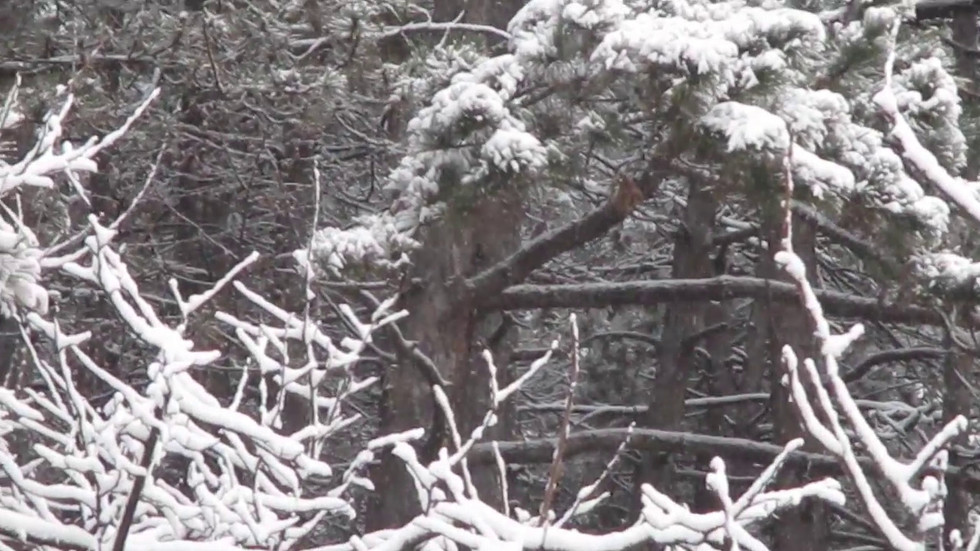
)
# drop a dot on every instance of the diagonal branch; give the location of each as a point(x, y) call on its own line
point(549, 245)
point(837, 234)
point(916, 156)
point(129, 513)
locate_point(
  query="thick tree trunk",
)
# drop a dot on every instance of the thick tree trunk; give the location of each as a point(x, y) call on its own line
point(775, 325)
point(718, 342)
point(446, 331)
point(676, 357)
point(470, 238)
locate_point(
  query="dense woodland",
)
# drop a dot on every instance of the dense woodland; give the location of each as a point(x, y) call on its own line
point(349, 275)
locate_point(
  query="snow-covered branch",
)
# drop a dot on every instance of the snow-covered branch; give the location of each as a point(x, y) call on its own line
point(822, 414)
point(921, 160)
point(213, 475)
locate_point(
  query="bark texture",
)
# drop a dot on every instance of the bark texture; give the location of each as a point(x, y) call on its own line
point(805, 528)
point(677, 356)
point(446, 328)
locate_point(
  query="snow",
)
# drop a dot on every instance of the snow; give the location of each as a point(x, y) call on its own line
point(534, 27)
point(924, 161)
point(45, 531)
point(376, 241)
point(836, 440)
point(672, 43)
point(820, 174)
point(98, 459)
point(477, 128)
point(469, 133)
point(947, 270)
point(514, 150)
point(747, 127)
point(751, 128)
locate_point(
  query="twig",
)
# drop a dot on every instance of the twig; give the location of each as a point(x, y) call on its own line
point(555, 472)
point(432, 26)
point(119, 544)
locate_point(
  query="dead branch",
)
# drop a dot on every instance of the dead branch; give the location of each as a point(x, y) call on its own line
point(726, 287)
point(540, 451)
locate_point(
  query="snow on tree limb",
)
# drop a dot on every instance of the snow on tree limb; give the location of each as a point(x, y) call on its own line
point(922, 502)
point(95, 460)
point(919, 158)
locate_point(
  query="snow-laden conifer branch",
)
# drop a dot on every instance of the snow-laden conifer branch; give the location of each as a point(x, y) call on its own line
point(921, 160)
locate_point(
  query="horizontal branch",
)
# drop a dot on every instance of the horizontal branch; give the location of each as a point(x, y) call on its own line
point(943, 9)
point(608, 440)
point(896, 355)
point(727, 287)
point(12, 66)
point(706, 401)
point(431, 26)
point(623, 335)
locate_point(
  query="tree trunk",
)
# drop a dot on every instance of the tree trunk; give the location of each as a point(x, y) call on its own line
point(446, 331)
point(774, 325)
point(470, 237)
point(718, 343)
point(676, 357)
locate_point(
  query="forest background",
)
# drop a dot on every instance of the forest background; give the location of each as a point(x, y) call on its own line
point(489, 274)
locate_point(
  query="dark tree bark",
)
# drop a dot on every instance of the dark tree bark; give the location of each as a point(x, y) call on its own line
point(446, 330)
point(676, 355)
point(718, 380)
point(775, 325)
point(446, 323)
point(958, 371)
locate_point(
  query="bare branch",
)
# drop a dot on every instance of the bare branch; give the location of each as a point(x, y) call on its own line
point(540, 451)
point(547, 246)
point(555, 472)
point(897, 355)
point(653, 292)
